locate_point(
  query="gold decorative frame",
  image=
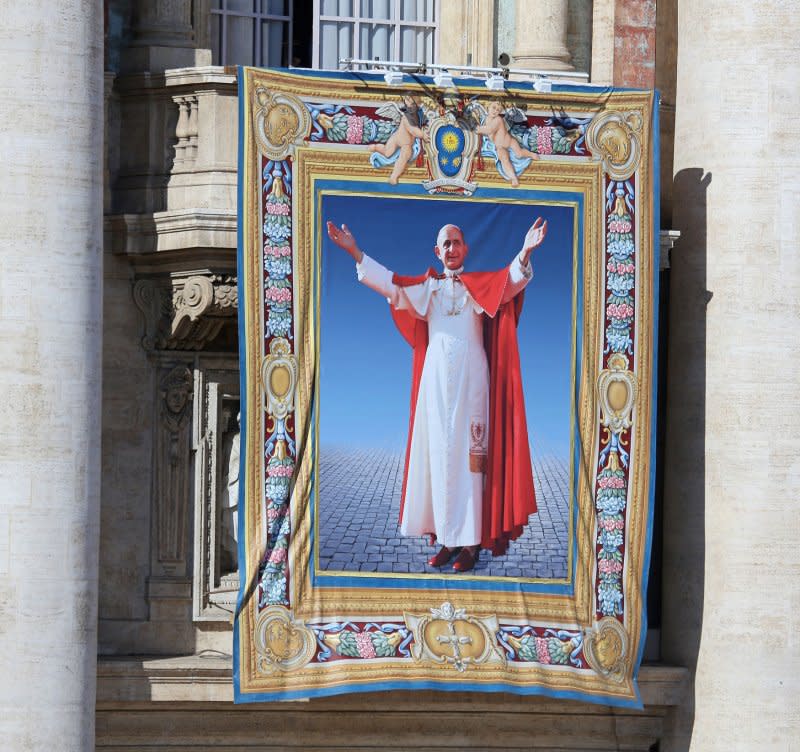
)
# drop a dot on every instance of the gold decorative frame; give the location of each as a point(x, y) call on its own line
point(277, 647)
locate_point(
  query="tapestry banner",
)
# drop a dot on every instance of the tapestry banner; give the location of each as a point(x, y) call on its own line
point(447, 307)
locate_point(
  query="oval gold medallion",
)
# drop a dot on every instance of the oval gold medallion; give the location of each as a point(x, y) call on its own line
point(617, 395)
point(281, 123)
point(279, 379)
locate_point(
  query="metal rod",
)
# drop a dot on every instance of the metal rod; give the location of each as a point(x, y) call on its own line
point(402, 65)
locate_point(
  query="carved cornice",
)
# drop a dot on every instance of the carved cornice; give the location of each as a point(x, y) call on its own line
point(143, 237)
point(202, 76)
point(185, 313)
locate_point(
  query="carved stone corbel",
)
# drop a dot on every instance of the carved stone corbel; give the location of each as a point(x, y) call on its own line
point(185, 313)
point(151, 300)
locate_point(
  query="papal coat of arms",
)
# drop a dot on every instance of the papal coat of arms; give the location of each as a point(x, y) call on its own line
point(451, 150)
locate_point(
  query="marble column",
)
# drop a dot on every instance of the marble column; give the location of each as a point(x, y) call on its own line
point(50, 314)
point(731, 564)
point(540, 41)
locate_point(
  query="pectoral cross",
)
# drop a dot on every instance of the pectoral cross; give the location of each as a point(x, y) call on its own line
point(456, 306)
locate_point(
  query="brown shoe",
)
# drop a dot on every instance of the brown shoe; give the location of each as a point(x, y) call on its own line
point(466, 559)
point(443, 556)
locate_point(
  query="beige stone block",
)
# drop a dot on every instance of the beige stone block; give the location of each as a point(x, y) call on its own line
point(127, 415)
point(49, 490)
point(8, 611)
point(788, 227)
point(14, 299)
point(5, 543)
point(466, 32)
point(44, 526)
point(782, 82)
point(218, 131)
point(379, 724)
point(122, 592)
point(15, 477)
point(32, 732)
point(122, 637)
point(751, 95)
point(215, 638)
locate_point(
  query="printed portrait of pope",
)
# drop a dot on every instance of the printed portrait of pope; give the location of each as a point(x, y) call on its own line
point(468, 482)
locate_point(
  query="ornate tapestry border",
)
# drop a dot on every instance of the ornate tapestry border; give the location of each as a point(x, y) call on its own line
point(568, 650)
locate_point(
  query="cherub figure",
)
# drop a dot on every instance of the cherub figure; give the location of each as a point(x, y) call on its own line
point(399, 148)
point(495, 128)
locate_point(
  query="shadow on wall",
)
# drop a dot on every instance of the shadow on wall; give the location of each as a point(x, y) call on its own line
point(683, 538)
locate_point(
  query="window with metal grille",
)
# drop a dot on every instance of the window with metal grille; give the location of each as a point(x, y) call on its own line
point(251, 32)
point(404, 30)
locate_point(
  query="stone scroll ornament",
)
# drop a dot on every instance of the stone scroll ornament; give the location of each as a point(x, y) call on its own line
point(355, 574)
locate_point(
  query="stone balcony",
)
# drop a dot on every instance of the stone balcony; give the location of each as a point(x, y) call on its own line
point(173, 198)
point(172, 207)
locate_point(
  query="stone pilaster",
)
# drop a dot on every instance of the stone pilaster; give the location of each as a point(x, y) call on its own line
point(635, 43)
point(163, 23)
point(602, 67)
point(163, 38)
point(110, 138)
point(50, 309)
point(467, 32)
point(541, 35)
point(732, 475)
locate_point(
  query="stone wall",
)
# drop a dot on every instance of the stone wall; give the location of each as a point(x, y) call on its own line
point(170, 303)
point(731, 561)
point(729, 531)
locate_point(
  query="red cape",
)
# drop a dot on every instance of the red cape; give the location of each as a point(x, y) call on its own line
point(508, 497)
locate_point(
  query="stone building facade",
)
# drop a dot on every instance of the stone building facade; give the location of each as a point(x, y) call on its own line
point(119, 269)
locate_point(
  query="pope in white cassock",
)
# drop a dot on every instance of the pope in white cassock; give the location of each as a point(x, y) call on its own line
point(468, 480)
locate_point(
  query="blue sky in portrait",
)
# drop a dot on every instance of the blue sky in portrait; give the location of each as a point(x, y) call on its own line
point(365, 365)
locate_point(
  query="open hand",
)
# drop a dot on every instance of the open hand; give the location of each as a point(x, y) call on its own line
point(534, 237)
point(344, 239)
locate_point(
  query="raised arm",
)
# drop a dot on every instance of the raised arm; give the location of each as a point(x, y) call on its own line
point(520, 271)
point(376, 276)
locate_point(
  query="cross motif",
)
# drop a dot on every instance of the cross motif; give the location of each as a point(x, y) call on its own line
point(455, 641)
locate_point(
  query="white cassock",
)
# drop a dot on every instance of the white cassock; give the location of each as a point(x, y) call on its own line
point(443, 495)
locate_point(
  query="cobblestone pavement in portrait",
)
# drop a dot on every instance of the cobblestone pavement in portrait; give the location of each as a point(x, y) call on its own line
point(360, 506)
